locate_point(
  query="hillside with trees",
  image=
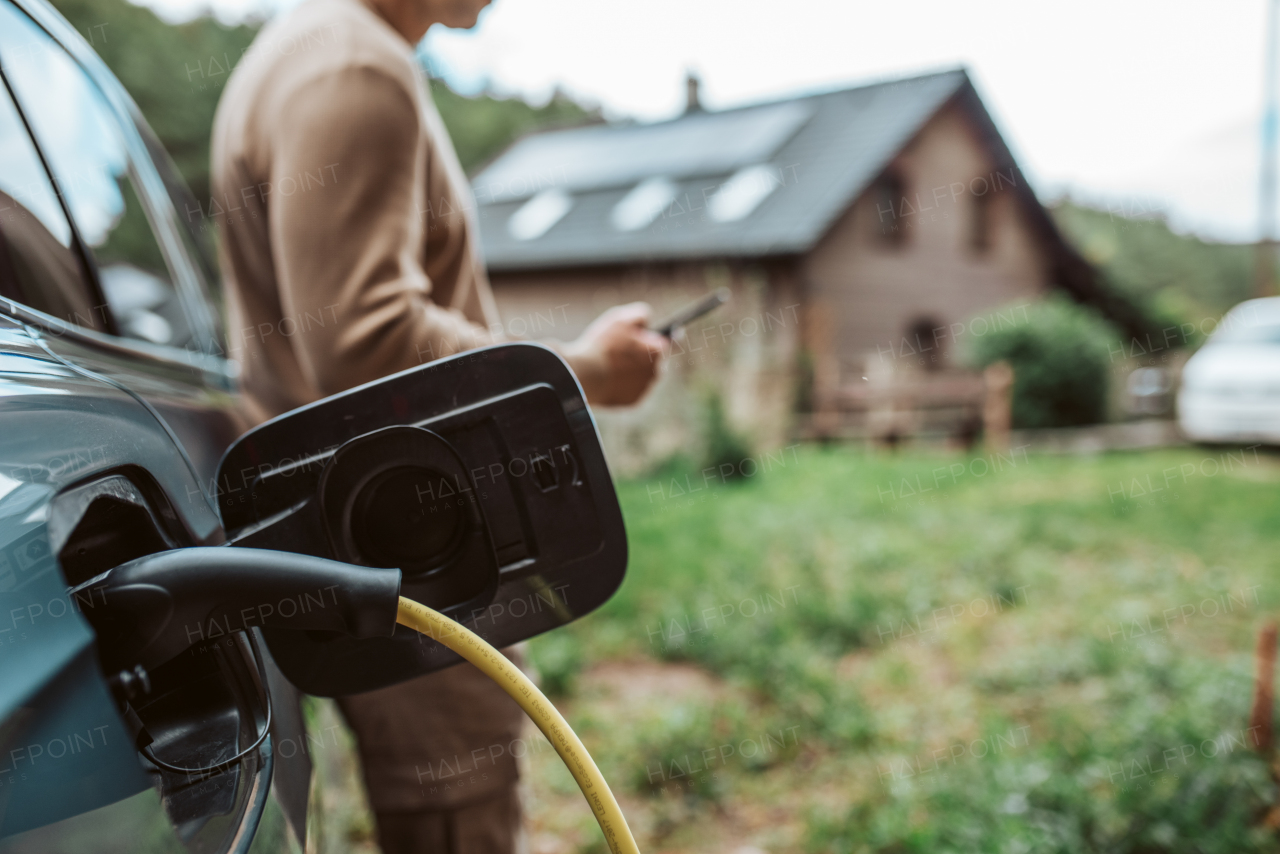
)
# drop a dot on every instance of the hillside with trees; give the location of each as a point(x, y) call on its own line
point(483, 125)
point(1175, 278)
point(175, 73)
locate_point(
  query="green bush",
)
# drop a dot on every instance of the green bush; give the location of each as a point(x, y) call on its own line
point(724, 445)
point(1060, 358)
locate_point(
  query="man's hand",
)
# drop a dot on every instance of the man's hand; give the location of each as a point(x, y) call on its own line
point(616, 358)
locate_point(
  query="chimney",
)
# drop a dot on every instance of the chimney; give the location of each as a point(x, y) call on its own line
point(691, 84)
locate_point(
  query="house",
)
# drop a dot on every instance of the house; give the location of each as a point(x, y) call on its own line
point(864, 232)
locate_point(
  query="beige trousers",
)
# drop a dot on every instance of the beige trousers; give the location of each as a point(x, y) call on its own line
point(440, 760)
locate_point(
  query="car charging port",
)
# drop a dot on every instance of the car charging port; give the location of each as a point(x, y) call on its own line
point(154, 610)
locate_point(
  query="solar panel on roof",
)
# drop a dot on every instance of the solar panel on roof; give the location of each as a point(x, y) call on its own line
point(744, 192)
point(598, 157)
point(535, 217)
point(642, 205)
point(823, 151)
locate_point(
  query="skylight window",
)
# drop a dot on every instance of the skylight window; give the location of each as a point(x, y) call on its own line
point(743, 193)
point(535, 217)
point(642, 205)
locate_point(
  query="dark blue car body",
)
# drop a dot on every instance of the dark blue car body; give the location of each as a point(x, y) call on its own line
point(116, 403)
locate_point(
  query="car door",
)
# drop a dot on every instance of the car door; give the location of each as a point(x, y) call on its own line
point(105, 310)
point(72, 780)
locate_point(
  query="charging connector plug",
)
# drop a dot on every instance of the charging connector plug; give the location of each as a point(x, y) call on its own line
point(148, 610)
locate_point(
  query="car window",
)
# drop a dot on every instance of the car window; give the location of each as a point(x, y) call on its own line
point(86, 152)
point(1244, 327)
point(195, 233)
point(39, 264)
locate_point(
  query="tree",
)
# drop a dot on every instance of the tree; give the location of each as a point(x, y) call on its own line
point(175, 73)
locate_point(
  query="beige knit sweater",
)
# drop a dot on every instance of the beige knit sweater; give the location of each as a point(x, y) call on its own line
point(347, 233)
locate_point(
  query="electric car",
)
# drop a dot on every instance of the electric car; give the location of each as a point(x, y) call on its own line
point(134, 716)
point(116, 403)
point(1231, 386)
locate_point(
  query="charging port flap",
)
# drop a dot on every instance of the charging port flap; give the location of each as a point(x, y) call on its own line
point(480, 476)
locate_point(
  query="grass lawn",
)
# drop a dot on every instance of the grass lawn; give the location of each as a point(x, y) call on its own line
point(850, 652)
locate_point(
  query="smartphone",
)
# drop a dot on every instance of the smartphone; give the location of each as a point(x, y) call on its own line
point(692, 312)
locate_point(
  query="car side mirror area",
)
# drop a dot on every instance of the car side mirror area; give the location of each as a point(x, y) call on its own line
point(480, 477)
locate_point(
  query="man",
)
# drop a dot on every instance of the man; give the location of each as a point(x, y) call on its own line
point(350, 254)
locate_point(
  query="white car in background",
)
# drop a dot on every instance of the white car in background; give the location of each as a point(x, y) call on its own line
point(1231, 386)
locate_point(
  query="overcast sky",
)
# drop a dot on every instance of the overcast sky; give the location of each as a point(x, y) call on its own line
point(1137, 104)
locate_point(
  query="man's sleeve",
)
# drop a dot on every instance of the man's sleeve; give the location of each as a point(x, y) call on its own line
point(345, 233)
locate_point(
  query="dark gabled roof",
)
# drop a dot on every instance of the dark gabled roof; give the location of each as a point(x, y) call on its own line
point(822, 150)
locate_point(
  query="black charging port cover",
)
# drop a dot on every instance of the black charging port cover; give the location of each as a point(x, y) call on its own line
point(480, 476)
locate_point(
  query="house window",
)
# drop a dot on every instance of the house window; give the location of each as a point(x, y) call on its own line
point(980, 222)
point(924, 342)
point(888, 194)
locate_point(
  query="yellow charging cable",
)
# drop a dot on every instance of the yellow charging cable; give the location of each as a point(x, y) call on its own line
point(495, 665)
